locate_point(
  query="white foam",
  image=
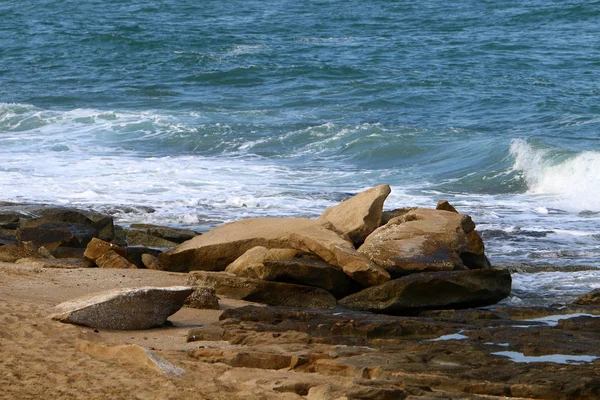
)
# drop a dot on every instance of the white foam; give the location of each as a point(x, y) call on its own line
point(553, 358)
point(570, 182)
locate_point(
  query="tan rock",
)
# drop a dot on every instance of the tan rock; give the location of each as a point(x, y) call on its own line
point(426, 240)
point(111, 259)
point(96, 248)
point(11, 253)
point(130, 354)
point(359, 215)
point(151, 262)
point(221, 246)
point(203, 298)
point(245, 264)
point(124, 309)
point(141, 238)
point(259, 291)
point(444, 205)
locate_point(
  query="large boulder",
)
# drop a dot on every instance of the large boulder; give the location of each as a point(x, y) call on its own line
point(83, 224)
point(281, 265)
point(359, 215)
point(259, 291)
point(426, 240)
point(589, 299)
point(164, 232)
point(124, 309)
point(219, 247)
point(437, 290)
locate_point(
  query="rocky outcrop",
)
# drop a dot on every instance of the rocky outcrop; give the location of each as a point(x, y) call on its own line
point(167, 233)
point(151, 262)
point(124, 309)
point(219, 247)
point(112, 259)
point(281, 265)
point(417, 292)
point(589, 299)
point(257, 290)
point(359, 215)
point(203, 298)
point(426, 240)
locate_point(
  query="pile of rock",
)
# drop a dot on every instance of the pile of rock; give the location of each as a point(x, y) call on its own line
point(354, 255)
point(396, 262)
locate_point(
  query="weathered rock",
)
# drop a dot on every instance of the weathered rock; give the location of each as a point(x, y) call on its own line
point(221, 246)
point(440, 290)
point(247, 264)
point(203, 298)
point(134, 254)
point(124, 309)
point(445, 206)
point(8, 236)
point(171, 234)
point(130, 354)
point(256, 290)
point(12, 253)
point(82, 224)
point(151, 262)
point(426, 240)
point(96, 248)
point(280, 265)
point(245, 359)
point(589, 299)
point(9, 219)
point(359, 215)
point(111, 259)
point(49, 235)
point(141, 238)
point(387, 216)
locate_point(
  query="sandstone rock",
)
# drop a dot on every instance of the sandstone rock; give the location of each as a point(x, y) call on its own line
point(96, 248)
point(49, 236)
point(203, 298)
point(245, 359)
point(247, 264)
point(387, 216)
point(445, 206)
point(589, 299)
point(111, 259)
point(124, 309)
point(426, 240)
point(221, 246)
point(8, 236)
point(151, 262)
point(167, 233)
point(134, 254)
point(141, 238)
point(416, 292)
point(359, 215)
point(130, 354)
point(280, 265)
point(271, 293)
point(12, 253)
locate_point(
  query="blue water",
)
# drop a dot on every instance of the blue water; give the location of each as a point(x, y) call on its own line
point(214, 111)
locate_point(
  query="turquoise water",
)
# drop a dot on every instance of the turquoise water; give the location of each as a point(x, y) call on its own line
point(214, 111)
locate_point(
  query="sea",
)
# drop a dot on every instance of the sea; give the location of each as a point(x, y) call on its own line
point(194, 113)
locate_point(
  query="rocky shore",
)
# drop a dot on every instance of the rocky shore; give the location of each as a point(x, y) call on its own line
point(360, 303)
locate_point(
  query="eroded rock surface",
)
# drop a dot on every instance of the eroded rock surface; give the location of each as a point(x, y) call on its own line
point(124, 309)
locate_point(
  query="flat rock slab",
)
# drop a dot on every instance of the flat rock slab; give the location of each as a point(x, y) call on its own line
point(256, 290)
point(124, 309)
point(439, 290)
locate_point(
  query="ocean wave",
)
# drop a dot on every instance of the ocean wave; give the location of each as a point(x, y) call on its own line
point(571, 178)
